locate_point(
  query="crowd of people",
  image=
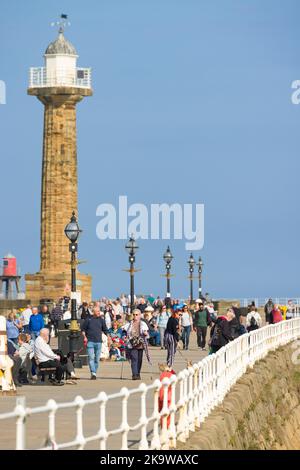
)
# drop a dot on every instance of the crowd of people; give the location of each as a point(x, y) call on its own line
point(111, 331)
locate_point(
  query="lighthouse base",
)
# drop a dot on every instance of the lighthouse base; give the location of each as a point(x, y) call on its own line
point(56, 285)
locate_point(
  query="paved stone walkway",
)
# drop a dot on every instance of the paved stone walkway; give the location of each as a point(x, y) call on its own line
point(109, 380)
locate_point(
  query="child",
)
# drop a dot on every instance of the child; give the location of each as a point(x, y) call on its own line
point(114, 353)
point(26, 354)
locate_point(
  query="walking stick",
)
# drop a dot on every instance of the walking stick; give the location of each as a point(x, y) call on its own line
point(121, 378)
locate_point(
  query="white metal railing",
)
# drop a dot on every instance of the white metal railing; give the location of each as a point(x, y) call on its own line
point(261, 301)
point(193, 394)
point(40, 77)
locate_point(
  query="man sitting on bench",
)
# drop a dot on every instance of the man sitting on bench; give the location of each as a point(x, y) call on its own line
point(47, 359)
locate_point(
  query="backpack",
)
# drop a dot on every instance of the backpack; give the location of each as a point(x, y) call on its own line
point(216, 339)
point(253, 323)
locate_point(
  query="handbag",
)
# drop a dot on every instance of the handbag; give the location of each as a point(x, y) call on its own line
point(136, 341)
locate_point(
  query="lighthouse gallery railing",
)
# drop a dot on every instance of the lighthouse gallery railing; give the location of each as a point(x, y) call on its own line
point(40, 77)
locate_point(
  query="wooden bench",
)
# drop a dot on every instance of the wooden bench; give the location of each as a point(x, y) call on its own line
point(45, 371)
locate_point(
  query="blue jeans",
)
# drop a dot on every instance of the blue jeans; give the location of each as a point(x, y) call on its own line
point(186, 331)
point(94, 352)
point(155, 334)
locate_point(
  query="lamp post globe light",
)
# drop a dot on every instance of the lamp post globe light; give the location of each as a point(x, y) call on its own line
point(131, 247)
point(191, 263)
point(72, 232)
point(200, 269)
point(168, 260)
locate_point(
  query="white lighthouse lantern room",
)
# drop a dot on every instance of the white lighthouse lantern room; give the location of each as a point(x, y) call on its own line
point(60, 68)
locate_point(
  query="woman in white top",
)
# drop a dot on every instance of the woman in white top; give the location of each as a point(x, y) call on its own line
point(137, 333)
point(253, 320)
point(186, 326)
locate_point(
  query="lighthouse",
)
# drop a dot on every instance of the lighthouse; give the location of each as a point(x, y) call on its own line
point(59, 85)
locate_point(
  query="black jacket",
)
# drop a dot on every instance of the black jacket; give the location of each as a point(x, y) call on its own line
point(93, 328)
point(220, 333)
point(172, 328)
point(235, 328)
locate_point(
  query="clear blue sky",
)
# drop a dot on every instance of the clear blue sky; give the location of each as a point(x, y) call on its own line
point(192, 103)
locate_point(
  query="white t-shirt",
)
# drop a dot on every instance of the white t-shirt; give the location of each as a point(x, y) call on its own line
point(256, 316)
point(186, 319)
point(26, 315)
point(107, 320)
point(67, 315)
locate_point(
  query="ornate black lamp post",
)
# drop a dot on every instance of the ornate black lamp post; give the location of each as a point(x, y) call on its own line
point(191, 263)
point(73, 231)
point(168, 259)
point(131, 247)
point(200, 269)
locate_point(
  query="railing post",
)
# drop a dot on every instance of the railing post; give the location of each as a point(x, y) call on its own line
point(172, 409)
point(102, 428)
point(190, 397)
point(51, 417)
point(79, 423)
point(186, 401)
point(181, 408)
point(196, 396)
point(125, 425)
point(20, 410)
point(164, 439)
point(143, 419)
point(155, 443)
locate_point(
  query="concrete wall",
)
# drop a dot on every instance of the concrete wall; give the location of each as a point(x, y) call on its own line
point(8, 305)
point(262, 411)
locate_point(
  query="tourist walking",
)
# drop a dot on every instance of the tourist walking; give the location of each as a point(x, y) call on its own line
point(275, 315)
point(92, 329)
point(45, 314)
point(172, 337)
point(36, 323)
point(201, 322)
point(84, 311)
point(220, 333)
point(162, 321)
point(186, 326)
point(55, 317)
point(137, 333)
point(253, 320)
point(234, 323)
point(290, 311)
point(268, 309)
point(25, 318)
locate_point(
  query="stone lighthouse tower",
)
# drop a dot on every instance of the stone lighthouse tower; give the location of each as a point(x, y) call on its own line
point(59, 85)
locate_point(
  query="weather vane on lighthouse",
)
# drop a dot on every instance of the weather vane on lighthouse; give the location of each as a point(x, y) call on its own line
point(62, 23)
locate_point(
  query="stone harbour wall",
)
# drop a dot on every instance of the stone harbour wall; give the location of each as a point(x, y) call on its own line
point(262, 411)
